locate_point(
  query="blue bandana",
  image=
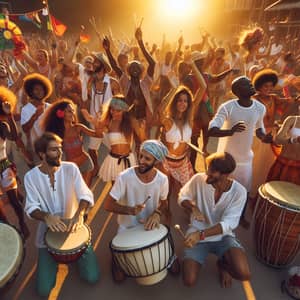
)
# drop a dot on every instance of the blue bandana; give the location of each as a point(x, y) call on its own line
point(119, 104)
point(156, 148)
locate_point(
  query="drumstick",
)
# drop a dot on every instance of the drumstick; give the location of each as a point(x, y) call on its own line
point(248, 290)
point(201, 152)
point(144, 203)
point(177, 227)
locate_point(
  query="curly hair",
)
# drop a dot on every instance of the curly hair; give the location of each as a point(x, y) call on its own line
point(31, 80)
point(51, 122)
point(249, 38)
point(125, 126)
point(7, 95)
point(263, 76)
point(171, 110)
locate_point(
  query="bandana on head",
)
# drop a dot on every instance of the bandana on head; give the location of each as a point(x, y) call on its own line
point(119, 104)
point(156, 148)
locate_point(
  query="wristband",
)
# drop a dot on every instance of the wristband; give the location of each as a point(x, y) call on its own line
point(201, 235)
point(158, 212)
point(293, 140)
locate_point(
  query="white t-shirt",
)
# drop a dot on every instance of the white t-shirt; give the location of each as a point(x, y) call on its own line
point(227, 211)
point(27, 112)
point(239, 145)
point(84, 79)
point(63, 200)
point(129, 190)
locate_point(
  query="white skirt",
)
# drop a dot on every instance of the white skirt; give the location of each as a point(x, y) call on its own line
point(110, 168)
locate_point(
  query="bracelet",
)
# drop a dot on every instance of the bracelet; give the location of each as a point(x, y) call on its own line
point(293, 140)
point(158, 212)
point(201, 235)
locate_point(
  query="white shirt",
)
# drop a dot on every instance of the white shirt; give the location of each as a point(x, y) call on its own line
point(239, 145)
point(129, 190)
point(27, 112)
point(63, 200)
point(227, 211)
point(84, 79)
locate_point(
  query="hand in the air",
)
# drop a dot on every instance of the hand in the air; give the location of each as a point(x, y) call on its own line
point(139, 34)
point(106, 43)
point(6, 107)
point(55, 223)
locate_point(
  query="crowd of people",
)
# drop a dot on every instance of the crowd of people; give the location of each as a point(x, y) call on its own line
point(147, 105)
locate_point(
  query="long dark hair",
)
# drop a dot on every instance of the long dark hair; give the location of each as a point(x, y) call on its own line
point(53, 121)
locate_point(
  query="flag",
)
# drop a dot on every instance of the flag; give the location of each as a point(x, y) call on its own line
point(57, 26)
point(84, 38)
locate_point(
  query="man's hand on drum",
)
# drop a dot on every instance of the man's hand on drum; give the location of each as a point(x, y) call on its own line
point(192, 239)
point(197, 215)
point(55, 223)
point(153, 221)
point(76, 222)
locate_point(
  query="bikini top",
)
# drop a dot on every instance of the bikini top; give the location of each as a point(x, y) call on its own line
point(175, 135)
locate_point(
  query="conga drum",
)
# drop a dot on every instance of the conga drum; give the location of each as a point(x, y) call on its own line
point(276, 223)
point(143, 254)
point(11, 254)
point(67, 247)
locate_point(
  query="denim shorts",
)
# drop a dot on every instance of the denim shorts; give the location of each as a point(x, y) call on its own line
point(200, 251)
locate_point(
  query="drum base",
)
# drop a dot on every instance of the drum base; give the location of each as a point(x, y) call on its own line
point(152, 279)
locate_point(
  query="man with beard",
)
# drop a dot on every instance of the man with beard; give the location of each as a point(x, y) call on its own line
point(215, 203)
point(38, 88)
point(133, 187)
point(135, 89)
point(50, 200)
point(101, 88)
point(241, 118)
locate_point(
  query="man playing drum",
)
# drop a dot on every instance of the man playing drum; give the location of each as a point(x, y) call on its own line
point(215, 203)
point(56, 190)
point(140, 193)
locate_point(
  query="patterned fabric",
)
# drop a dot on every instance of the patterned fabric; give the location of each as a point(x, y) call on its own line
point(180, 169)
point(156, 148)
point(285, 170)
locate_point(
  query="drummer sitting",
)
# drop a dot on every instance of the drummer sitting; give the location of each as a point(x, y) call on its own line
point(215, 203)
point(56, 190)
point(140, 194)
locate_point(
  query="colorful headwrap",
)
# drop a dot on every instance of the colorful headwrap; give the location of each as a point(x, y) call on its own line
point(119, 103)
point(156, 148)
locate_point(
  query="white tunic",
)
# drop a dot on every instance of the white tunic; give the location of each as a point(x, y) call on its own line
point(227, 211)
point(27, 112)
point(129, 190)
point(63, 200)
point(239, 145)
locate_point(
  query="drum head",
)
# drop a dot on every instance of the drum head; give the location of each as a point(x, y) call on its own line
point(64, 241)
point(11, 252)
point(138, 237)
point(283, 193)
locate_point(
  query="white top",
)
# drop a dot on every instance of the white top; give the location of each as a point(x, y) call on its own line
point(129, 190)
point(240, 143)
point(175, 135)
point(84, 79)
point(295, 131)
point(3, 154)
point(27, 112)
point(227, 211)
point(63, 200)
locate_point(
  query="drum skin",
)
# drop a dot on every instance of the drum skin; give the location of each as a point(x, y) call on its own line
point(276, 230)
point(11, 254)
point(147, 263)
point(67, 248)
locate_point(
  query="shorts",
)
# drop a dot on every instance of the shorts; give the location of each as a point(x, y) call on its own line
point(200, 251)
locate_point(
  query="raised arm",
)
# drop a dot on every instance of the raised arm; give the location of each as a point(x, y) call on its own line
point(112, 61)
point(149, 58)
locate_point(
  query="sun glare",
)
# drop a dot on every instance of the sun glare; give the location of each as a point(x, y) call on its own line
point(178, 8)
